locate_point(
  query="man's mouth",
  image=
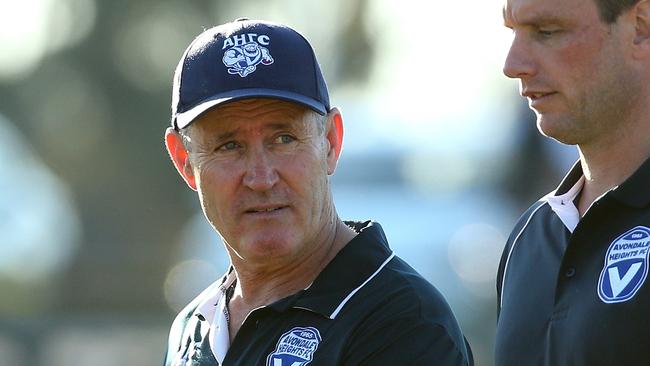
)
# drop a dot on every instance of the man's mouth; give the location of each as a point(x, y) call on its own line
point(258, 210)
point(534, 95)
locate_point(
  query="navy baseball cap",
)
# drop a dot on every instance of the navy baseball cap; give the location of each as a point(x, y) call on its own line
point(246, 59)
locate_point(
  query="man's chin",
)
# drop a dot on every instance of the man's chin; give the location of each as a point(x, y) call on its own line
point(266, 245)
point(556, 128)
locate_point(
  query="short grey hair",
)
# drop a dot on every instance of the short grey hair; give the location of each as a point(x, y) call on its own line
point(185, 137)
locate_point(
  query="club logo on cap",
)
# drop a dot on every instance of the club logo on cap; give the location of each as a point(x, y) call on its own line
point(245, 53)
point(626, 266)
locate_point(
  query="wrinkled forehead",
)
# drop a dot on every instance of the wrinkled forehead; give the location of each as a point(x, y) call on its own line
point(255, 112)
point(530, 12)
point(518, 11)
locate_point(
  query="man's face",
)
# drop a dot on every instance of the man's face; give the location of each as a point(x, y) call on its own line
point(261, 169)
point(571, 67)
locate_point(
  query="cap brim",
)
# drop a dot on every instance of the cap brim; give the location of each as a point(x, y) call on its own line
point(183, 119)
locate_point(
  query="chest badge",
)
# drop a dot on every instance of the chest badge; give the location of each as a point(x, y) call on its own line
point(626, 266)
point(295, 347)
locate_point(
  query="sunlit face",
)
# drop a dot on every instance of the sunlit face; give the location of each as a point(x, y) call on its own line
point(571, 67)
point(261, 172)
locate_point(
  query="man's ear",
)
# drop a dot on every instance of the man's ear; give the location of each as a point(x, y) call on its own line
point(180, 156)
point(334, 135)
point(641, 12)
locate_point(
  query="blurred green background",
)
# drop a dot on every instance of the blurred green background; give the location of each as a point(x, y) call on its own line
point(100, 241)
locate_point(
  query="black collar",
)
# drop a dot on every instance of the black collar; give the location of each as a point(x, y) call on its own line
point(570, 179)
point(358, 261)
point(634, 191)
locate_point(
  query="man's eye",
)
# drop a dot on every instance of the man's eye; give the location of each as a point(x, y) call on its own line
point(542, 32)
point(230, 145)
point(284, 139)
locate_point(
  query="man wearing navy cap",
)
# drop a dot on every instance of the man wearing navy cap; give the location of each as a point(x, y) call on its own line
point(253, 133)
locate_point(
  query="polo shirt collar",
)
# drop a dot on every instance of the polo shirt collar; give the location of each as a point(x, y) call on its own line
point(213, 295)
point(570, 180)
point(213, 310)
point(634, 191)
point(351, 269)
point(564, 206)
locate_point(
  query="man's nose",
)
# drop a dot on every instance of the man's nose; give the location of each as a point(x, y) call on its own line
point(261, 174)
point(519, 61)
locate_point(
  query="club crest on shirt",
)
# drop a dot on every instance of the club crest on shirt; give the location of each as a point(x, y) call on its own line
point(246, 52)
point(626, 266)
point(295, 347)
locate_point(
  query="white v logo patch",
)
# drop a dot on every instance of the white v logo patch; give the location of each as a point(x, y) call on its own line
point(618, 283)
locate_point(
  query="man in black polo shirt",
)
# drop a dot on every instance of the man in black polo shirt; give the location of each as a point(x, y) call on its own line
point(572, 284)
point(254, 134)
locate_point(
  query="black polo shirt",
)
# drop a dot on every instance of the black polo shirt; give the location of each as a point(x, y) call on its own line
point(580, 297)
point(367, 307)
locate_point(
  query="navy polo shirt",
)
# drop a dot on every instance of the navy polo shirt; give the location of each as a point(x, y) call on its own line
point(577, 293)
point(367, 307)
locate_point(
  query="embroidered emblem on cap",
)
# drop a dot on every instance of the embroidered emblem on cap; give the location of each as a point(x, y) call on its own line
point(295, 347)
point(626, 266)
point(245, 53)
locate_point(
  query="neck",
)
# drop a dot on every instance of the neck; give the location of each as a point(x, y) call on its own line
point(608, 164)
point(261, 286)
